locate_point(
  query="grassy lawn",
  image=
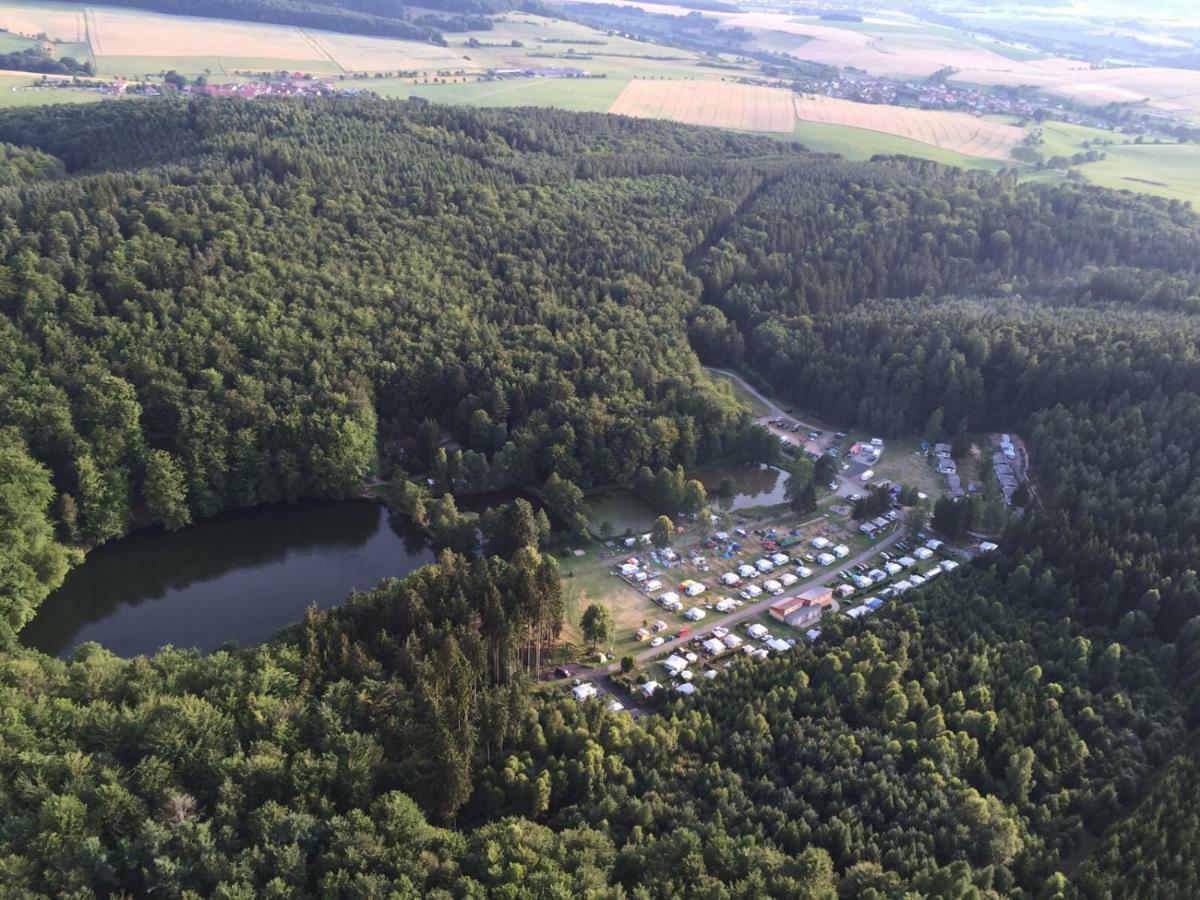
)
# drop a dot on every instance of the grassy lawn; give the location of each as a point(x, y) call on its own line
point(15, 91)
point(904, 463)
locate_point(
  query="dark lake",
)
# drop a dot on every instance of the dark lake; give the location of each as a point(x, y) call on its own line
point(240, 576)
point(756, 486)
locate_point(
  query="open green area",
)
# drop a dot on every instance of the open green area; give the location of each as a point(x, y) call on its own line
point(579, 95)
point(18, 91)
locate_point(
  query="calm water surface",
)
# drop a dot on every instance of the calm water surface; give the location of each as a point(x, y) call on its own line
point(756, 486)
point(241, 577)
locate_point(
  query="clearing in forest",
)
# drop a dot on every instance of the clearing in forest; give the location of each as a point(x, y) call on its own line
point(721, 104)
point(957, 131)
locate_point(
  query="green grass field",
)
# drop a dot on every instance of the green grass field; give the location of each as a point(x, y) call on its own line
point(15, 91)
point(579, 95)
point(13, 43)
point(1165, 170)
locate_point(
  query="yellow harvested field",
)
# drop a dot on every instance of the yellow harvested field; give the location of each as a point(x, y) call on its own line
point(133, 32)
point(957, 131)
point(1169, 89)
point(724, 105)
point(358, 53)
point(62, 22)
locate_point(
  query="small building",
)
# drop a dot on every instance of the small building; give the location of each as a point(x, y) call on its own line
point(695, 614)
point(757, 631)
point(803, 609)
point(868, 529)
point(675, 664)
point(988, 547)
point(649, 688)
point(712, 646)
point(826, 559)
point(948, 565)
point(841, 551)
point(922, 553)
point(585, 691)
point(732, 641)
point(820, 543)
point(687, 689)
point(844, 590)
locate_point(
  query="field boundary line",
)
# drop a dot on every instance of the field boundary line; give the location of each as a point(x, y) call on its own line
point(325, 53)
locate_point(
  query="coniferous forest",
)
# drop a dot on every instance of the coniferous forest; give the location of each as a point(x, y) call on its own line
point(208, 305)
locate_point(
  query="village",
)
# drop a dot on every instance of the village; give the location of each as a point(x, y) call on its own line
point(763, 579)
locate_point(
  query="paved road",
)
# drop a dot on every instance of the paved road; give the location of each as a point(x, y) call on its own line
point(749, 611)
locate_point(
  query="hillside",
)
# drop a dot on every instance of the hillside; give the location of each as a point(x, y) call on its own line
point(212, 304)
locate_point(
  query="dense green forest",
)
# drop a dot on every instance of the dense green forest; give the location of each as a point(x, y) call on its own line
point(214, 304)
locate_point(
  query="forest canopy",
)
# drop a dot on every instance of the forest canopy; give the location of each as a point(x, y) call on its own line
point(210, 304)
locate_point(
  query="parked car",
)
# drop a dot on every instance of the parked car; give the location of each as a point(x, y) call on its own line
point(658, 641)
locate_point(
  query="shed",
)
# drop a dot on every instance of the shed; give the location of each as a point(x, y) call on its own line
point(713, 646)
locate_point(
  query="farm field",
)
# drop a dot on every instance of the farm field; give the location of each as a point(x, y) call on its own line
point(955, 131)
point(579, 95)
point(859, 144)
point(716, 103)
